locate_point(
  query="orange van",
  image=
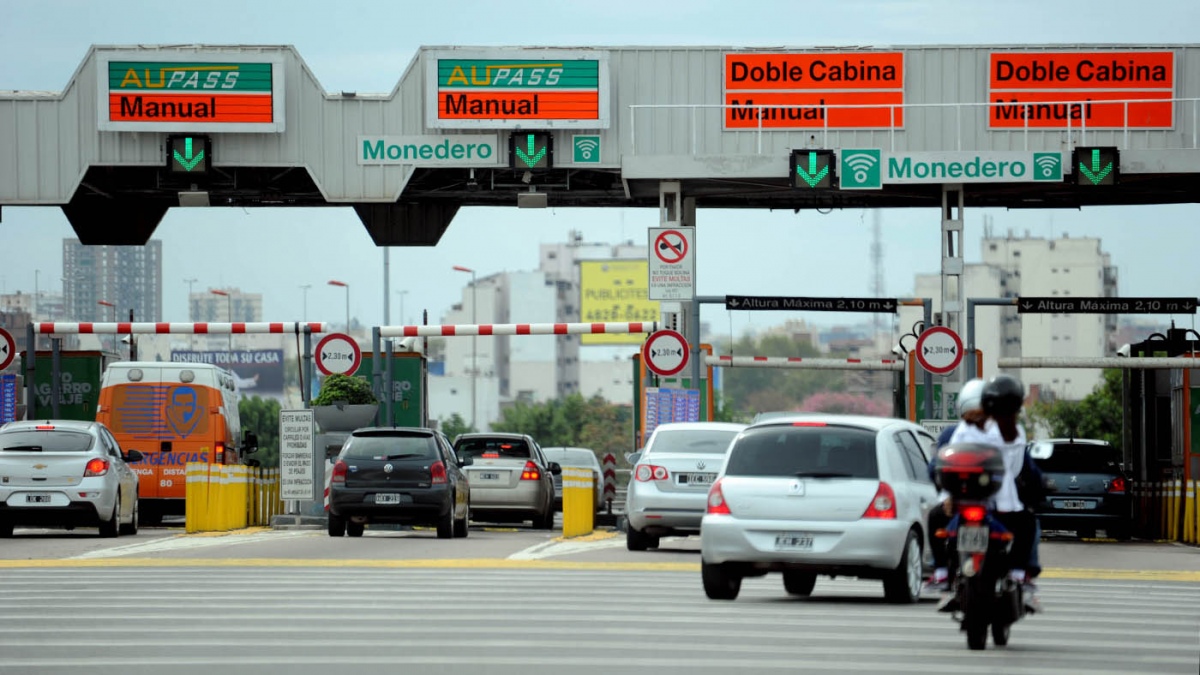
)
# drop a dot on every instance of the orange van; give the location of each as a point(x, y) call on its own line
point(173, 413)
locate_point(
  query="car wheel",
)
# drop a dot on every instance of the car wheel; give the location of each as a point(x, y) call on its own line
point(1120, 532)
point(1000, 633)
point(151, 516)
point(112, 527)
point(903, 584)
point(337, 526)
point(1085, 534)
point(463, 527)
point(445, 525)
point(719, 582)
point(636, 540)
point(132, 527)
point(545, 521)
point(799, 583)
point(6, 529)
point(354, 529)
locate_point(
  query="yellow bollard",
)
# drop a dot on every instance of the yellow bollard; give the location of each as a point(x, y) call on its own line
point(1189, 523)
point(579, 501)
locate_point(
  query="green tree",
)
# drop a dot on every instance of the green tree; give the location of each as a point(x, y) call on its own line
point(454, 426)
point(1099, 415)
point(754, 390)
point(260, 416)
point(572, 421)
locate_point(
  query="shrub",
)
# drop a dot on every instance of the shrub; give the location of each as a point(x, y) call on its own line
point(342, 388)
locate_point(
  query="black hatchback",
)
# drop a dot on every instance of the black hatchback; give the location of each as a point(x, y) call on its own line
point(1087, 490)
point(398, 475)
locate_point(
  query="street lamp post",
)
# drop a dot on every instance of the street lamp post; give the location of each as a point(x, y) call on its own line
point(403, 322)
point(189, 282)
point(474, 338)
point(229, 311)
point(105, 303)
point(334, 282)
point(304, 294)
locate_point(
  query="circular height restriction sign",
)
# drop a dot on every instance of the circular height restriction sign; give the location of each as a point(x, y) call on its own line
point(671, 247)
point(8, 349)
point(338, 354)
point(939, 350)
point(665, 353)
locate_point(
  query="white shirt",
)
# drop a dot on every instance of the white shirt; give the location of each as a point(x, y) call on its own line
point(1013, 454)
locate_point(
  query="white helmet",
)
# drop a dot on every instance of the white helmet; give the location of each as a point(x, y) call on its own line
point(971, 396)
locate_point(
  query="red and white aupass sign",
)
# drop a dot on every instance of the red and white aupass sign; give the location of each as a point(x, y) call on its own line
point(665, 353)
point(939, 350)
point(672, 263)
point(338, 353)
point(8, 349)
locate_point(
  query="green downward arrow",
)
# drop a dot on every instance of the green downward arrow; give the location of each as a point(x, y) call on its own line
point(530, 158)
point(1096, 174)
point(812, 176)
point(187, 160)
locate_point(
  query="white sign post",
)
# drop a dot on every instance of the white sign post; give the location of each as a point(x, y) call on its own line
point(672, 263)
point(296, 443)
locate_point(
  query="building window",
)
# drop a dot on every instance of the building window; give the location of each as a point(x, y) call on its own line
point(991, 247)
point(1016, 254)
point(1054, 270)
point(1066, 270)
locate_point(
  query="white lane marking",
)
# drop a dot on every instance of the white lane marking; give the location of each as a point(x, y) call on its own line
point(185, 543)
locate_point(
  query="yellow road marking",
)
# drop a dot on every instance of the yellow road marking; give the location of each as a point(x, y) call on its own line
point(504, 563)
point(244, 530)
point(598, 535)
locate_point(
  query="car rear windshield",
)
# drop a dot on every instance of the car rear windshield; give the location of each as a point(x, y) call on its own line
point(390, 445)
point(45, 441)
point(704, 441)
point(499, 448)
point(579, 458)
point(837, 452)
point(1077, 458)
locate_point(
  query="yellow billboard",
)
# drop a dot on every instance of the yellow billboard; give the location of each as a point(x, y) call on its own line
point(615, 290)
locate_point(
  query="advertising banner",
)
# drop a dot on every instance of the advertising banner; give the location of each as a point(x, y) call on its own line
point(258, 372)
point(615, 290)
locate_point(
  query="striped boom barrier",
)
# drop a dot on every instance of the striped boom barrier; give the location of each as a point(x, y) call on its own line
point(518, 329)
point(161, 328)
point(802, 363)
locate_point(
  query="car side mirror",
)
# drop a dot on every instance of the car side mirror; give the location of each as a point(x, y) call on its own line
point(249, 442)
point(555, 468)
point(633, 457)
point(465, 461)
point(132, 456)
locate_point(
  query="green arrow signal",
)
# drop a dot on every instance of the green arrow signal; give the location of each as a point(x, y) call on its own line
point(530, 158)
point(187, 160)
point(812, 176)
point(1096, 174)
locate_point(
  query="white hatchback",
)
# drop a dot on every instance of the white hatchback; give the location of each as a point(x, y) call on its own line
point(836, 495)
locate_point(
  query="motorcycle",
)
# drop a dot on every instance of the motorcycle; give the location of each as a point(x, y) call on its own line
point(984, 595)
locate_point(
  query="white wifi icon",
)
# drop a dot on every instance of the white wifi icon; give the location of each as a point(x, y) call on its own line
point(587, 147)
point(1047, 165)
point(860, 164)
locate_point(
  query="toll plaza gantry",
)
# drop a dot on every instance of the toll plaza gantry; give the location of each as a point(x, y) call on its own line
point(139, 130)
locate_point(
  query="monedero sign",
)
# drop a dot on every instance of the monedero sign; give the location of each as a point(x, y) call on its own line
point(463, 150)
point(193, 95)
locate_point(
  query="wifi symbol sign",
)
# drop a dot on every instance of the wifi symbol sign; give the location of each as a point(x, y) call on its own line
point(863, 169)
point(1047, 166)
point(586, 149)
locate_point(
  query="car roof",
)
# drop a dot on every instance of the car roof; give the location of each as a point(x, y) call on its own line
point(875, 423)
point(70, 425)
point(1076, 441)
point(425, 430)
point(487, 434)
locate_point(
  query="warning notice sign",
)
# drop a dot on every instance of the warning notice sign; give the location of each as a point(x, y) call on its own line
point(672, 263)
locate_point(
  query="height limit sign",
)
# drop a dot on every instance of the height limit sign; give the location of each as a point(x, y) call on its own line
point(672, 263)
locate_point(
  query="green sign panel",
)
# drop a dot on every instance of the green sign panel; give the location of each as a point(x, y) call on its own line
point(79, 385)
point(157, 76)
point(862, 169)
point(586, 149)
point(518, 74)
point(946, 409)
point(407, 379)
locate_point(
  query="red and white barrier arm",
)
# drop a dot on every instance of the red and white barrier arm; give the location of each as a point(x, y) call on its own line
point(518, 329)
point(803, 363)
point(145, 328)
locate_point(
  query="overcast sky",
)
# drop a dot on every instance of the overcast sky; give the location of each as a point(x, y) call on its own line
point(365, 46)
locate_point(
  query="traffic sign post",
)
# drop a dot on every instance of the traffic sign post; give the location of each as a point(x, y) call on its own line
point(665, 353)
point(774, 302)
point(939, 350)
point(1075, 305)
point(8, 349)
point(338, 353)
point(672, 263)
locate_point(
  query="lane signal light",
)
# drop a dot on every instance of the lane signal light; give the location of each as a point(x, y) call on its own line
point(813, 169)
point(1096, 166)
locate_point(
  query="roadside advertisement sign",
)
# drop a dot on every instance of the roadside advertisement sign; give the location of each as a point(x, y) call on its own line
point(615, 290)
point(258, 372)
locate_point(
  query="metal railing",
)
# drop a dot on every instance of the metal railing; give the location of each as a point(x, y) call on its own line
point(1070, 127)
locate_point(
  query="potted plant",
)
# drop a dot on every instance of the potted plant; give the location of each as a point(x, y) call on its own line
point(345, 404)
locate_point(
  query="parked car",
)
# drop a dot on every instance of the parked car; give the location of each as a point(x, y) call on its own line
point(1087, 490)
point(670, 480)
point(836, 495)
point(511, 479)
point(577, 458)
point(66, 473)
point(401, 475)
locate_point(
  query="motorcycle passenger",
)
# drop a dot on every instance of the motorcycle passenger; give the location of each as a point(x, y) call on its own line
point(996, 424)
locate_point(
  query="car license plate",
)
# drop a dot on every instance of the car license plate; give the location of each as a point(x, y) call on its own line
point(488, 475)
point(697, 478)
point(973, 539)
point(793, 541)
point(1076, 504)
point(39, 498)
point(392, 498)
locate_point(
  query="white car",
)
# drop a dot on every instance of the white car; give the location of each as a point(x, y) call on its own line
point(66, 473)
point(836, 495)
point(670, 480)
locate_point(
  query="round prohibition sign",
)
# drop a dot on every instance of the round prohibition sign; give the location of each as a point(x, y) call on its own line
point(671, 247)
point(338, 354)
point(8, 349)
point(939, 350)
point(665, 353)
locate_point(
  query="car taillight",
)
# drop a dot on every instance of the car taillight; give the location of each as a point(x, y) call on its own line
point(531, 472)
point(883, 504)
point(973, 514)
point(808, 424)
point(96, 467)
point(649, 472)
point(437, 473)
point(44, 427)
point(1117, 484)
point(220, 455)
point(339, 474)
point(716, 501)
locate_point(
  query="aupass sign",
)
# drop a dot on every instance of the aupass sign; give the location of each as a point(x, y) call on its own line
point(511, 88)
point(872, 168)
point(190, 94)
